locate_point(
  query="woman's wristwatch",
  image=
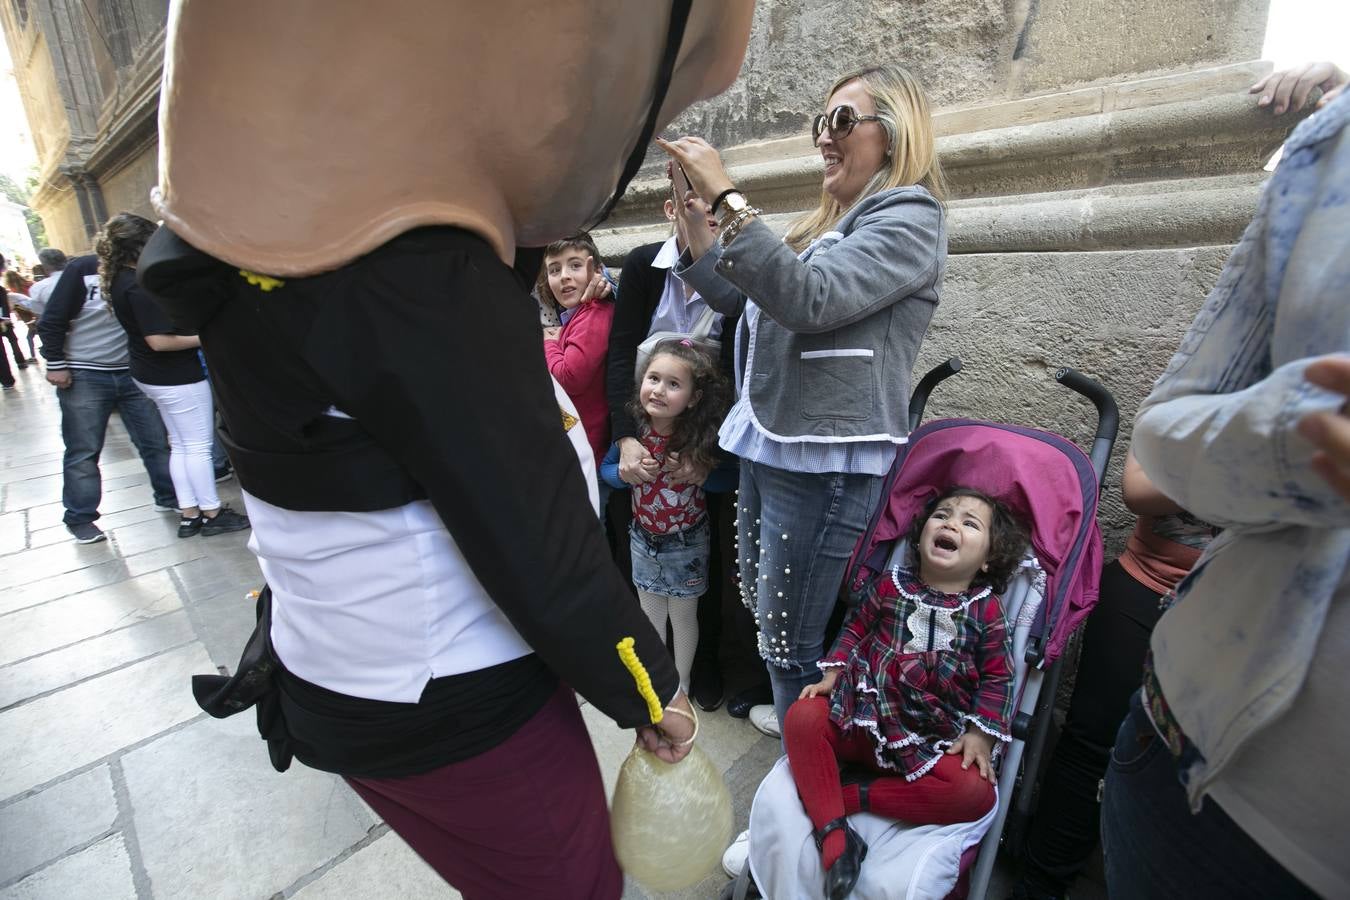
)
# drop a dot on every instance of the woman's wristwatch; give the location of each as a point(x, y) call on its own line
point(739, 211)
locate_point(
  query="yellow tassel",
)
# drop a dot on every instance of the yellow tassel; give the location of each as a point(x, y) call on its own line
point(644, 681)
point(262, 282)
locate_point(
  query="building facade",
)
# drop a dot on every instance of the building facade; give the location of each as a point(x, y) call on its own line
point(88, 73)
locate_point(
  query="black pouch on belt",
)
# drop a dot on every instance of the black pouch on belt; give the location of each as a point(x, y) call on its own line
point(254, 683)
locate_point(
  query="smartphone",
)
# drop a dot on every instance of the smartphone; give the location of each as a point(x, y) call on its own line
point(680, 183)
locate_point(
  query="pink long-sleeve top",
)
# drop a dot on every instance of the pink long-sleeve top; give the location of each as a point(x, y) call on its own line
point(577, 360)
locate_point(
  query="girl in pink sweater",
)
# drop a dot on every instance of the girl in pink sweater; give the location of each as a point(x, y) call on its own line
point(574, 280)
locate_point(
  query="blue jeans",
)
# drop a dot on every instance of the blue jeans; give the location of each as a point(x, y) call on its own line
point(672, 565)
point(1155, 847)
point(85, 408)
point(795, 534)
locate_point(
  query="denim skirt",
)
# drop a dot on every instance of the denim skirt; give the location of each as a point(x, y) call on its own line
point(673, 565)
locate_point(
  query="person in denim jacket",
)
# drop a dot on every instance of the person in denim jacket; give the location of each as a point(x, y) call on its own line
point(1223, 780)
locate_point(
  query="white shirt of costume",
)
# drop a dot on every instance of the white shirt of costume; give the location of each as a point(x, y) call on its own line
point(376, 604)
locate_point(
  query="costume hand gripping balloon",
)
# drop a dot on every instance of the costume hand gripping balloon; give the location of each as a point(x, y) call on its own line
point(344, 197)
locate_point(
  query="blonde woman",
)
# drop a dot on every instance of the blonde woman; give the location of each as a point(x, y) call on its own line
point(833, 316)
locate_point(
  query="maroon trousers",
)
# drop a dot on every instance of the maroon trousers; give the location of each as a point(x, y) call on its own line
point(525, 819)
point(815, 747)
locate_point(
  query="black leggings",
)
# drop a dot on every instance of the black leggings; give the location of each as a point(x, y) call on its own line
point(1067, 826)
point(13, 338)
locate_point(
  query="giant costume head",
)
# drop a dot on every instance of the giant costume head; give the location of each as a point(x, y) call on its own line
point(297, 136)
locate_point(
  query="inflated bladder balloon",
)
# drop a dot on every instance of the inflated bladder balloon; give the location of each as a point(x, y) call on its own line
point(670, 823)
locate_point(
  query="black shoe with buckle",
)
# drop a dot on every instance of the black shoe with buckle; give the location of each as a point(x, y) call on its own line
point(841, 877)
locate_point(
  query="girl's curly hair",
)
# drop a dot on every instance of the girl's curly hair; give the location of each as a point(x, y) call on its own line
point(1008, 537)
point(119, 246)
point(694, 436)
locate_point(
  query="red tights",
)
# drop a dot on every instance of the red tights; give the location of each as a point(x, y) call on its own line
point(815, 747)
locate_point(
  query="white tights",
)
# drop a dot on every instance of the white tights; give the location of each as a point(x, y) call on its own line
point(683, 615)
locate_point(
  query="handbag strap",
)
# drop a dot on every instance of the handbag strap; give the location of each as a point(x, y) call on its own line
point(703, 327)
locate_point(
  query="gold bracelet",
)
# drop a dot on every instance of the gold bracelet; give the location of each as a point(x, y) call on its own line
point(731, 214)
point(727, 218)
point(693, 717)
point(733, 228)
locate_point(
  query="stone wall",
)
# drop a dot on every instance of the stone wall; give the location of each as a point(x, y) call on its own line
point(1016, 318)
point(959, 48)
point(64, 224)
point(1066, 42)
point(128, 189)
point(88, 75)
point(1104, 158)
point(966, 52)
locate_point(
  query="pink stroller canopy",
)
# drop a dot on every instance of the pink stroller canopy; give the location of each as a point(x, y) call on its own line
point(1044, 478)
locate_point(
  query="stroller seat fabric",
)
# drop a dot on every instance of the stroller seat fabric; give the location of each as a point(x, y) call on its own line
point(904, 862)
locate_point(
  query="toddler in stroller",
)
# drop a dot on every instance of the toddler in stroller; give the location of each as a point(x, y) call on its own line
point(1052, 486)
point(919, 683)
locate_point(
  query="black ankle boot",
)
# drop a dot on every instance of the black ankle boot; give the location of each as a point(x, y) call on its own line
point(706, 686)
point(843, 875)
point(738, 707)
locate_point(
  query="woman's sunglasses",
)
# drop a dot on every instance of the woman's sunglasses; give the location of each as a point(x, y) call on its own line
point(840, 122)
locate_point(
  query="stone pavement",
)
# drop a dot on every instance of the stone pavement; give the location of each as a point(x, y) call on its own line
point(113, 784)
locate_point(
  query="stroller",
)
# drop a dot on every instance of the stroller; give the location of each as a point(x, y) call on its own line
point(1054, 486)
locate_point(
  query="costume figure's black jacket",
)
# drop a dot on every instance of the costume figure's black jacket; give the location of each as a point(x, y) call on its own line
point(431, 345)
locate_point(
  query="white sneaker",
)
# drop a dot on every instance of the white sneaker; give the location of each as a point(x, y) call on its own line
point(765, 719)
point(737, 855)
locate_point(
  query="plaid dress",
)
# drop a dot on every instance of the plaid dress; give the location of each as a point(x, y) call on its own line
point(917, 665)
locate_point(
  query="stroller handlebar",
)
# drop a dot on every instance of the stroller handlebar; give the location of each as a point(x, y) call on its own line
point(1108, 416)
point(919, 398)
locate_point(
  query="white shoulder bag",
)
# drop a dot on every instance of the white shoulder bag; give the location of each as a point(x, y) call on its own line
point(699, 337)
